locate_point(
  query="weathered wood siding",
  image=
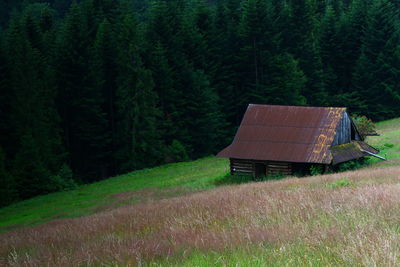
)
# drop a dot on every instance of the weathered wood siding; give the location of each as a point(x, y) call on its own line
point(242, 166)
point(248, 167)
point(277, 168)
point(343, 131)
point(354, 133)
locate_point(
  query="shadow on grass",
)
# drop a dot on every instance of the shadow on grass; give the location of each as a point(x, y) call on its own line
point(241, 179)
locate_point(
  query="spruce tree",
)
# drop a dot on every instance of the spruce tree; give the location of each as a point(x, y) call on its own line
point(138, 116)
point(164, 33)
point(328, 44)
point(6, 139)
point(104, 78)
point(200, 107)
point(348, 39)
point(227, 47)
point(257, 46)
point(36, 137)
point(204, 116)
point(96, 11)
point(303, 45)
point(194, 44)
point(377, 72)
point(287, 82)
point(8, 189)
point(84, 121)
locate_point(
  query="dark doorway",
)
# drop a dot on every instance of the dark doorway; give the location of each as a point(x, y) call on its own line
point(260, 170)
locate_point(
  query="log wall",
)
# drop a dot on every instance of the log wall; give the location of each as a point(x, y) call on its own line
point(239, 166)
point(277, 168)
point(248, 167)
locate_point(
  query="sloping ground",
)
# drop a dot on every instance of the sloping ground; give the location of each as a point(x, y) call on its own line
point(350, 218)
point(139, 186)
point(347, 218)
point(388, 143)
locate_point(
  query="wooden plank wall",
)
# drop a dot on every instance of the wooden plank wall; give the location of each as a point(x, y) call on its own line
point(240, 166)
point(343, 131)
point(247, 167)
point(276, 168)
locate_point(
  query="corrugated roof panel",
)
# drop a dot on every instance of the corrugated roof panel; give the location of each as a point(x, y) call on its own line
point(268, 133)
point(350, 151)
point(285, 133)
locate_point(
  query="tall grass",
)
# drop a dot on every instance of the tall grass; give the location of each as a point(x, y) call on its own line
point(355, 224)
point(144, 185)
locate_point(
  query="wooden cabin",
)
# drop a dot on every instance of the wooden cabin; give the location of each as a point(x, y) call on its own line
point(289, 139)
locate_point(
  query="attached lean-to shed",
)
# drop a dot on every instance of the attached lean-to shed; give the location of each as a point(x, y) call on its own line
point(286, 139)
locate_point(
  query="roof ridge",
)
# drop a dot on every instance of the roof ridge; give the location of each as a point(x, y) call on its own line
point(294, 106)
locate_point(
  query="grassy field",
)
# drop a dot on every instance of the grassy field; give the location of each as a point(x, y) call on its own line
point(165, 216)
point(388, 143)
point(157, 183)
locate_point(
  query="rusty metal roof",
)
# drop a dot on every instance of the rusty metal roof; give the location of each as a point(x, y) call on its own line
point(286, 133)
point(349, 151)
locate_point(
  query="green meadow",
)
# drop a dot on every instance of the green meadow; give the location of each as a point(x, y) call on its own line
point(195, 214)
point(388, 142)
point(160, 182)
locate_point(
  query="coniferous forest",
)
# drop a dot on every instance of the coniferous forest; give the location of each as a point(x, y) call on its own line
point(94, 88)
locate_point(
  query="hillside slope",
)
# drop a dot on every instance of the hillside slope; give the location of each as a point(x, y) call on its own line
point(157, 183)
point(349, 218)
point(388, 143)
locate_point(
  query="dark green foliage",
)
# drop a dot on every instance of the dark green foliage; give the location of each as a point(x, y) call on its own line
point(204, 119)
point(348, 37)
point(364, 125)
point(31, 176)
point(34, 144)
point(64, 180)
point(167, 61)
point(258, 50)
point(329, 47)
point(301, 34)
point(389, 145)
point(316, 169)
point(287, 82)
point(377, 71)
point(104, 71)
point(352, 165)
point(92, 88)
point(226, 49)
point(5, 98)
point(8, 189)
point(229, 179)
point(176, 152)
point(138, 117)
point(81, 105)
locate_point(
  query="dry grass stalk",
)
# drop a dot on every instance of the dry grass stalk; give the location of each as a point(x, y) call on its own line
point(358, 223)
